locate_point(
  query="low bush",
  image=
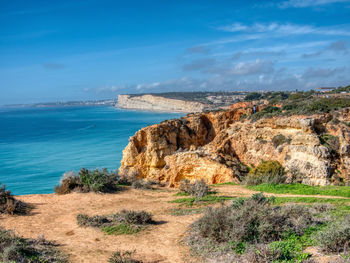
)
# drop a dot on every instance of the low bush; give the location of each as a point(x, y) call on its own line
point(10, 205)
point(88, 181)
point(304, 104)
point(123, 257)
point(128, 178)
point(260, 253)
point(18, 249)
point(331, 142)
point(84, 220)
point(247, 222)
point(267, 172)
point(269, 111)
point(198, 189)
point(336, 236)
point(279, 140)
point(135, 217)
point(124, 222)
point(253, 96)
point(142, 184)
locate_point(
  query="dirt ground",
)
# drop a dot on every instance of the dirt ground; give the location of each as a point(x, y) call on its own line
point(54, 217)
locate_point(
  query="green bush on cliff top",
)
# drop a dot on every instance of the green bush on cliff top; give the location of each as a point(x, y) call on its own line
point(252, 223)
point(88, 181)
point(267, 172)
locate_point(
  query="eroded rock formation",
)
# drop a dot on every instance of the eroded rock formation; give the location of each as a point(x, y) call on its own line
point(218, 146)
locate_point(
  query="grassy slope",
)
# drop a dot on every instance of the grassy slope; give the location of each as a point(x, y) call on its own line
point(300, 189)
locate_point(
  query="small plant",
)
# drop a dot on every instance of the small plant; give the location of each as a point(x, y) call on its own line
point(142, 184)
point(198, 189)
point(279, 140)
point(183, 212)
point(128, 178)
point(10, 205)
point(123, 257)
point(121, 229)
point(255, 220)
point(124, 222)
point(135, 217)
point(88, 181)
point(269, 172)
point(336, 236)
point(18, 249)
point(331, 142)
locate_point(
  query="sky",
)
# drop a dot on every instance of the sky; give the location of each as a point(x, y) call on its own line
point(96, 49)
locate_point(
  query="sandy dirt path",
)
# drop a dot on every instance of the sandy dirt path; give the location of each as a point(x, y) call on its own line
point(54, 217)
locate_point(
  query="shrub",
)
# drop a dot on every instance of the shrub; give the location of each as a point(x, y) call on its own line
point(336, 236)
point(18, 249)
point(88, 181)
point(260, 253)
point(123, 257)
point(10, 205)
point(135, 217)
point(249, 221)
point(279, 140)
point(331, 142)
point(269, 172)
point(124, 222)
point(127, 178)
point(198, 189)
point(142, 184)
point(94, 221)
point(302, 103)
point(253, 96)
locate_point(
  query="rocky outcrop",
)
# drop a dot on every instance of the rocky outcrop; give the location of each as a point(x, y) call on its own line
point(218, 147)
point(156, 103)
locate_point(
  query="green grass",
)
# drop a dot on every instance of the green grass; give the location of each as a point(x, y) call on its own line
point(311, 200)
point(181, 194)
point(206, 200)
point(301, 189)
point(121, 229)
point(184, 212)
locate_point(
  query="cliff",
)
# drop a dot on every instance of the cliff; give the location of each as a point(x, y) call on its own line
point(218, 146)
point(155, 103)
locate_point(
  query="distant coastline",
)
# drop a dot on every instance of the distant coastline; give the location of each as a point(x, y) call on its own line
point(185, 102)
point(110, 102)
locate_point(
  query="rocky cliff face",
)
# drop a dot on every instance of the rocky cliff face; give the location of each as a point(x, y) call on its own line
point(218, 146)
point(155, 103)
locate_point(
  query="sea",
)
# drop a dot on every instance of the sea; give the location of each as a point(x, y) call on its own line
point(38, 145)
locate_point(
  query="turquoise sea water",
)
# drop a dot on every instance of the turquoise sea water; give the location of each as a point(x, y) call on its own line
point(37, 145)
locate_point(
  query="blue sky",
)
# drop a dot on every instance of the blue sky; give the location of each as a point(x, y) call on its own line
point(95, 49)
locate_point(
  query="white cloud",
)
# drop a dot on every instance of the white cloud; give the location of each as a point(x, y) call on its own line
point(308, 3)
point(312, 73)
point(251, 68)
point(284, 29)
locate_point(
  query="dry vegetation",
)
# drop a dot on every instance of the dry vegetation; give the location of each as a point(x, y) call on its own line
point(224, 223)
point(10, 205)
